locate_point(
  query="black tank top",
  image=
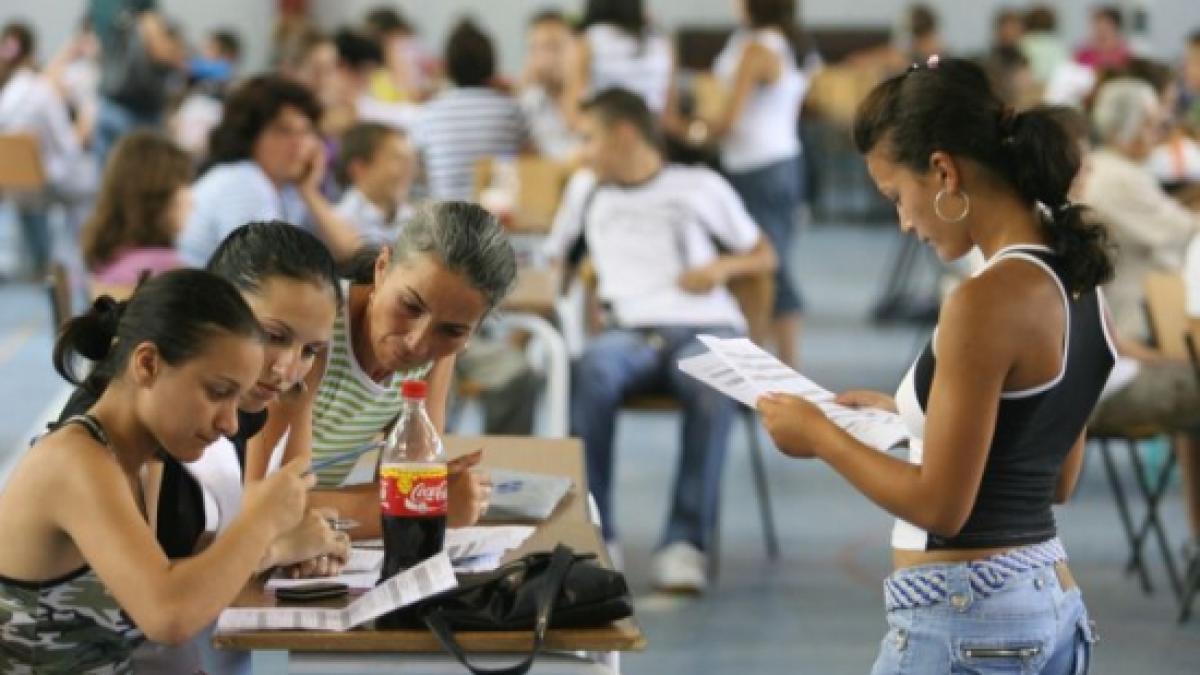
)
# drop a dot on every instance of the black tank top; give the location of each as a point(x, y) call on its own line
point(1035, 428)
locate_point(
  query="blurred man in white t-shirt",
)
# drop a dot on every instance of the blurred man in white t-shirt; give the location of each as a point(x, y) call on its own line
point(664, 240)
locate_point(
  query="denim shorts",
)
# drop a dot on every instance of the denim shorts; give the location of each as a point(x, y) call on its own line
point(1027, 625)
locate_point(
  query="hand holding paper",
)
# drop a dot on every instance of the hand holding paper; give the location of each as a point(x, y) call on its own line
point(742, 370)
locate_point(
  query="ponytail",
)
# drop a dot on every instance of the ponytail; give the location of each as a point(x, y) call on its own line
point(1042, 159)
point(90, 335)
point(178, 312)
point(949, 105)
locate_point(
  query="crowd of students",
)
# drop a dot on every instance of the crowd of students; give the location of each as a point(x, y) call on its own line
point(269, 257)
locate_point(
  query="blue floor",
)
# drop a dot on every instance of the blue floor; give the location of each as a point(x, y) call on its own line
point(818, 610)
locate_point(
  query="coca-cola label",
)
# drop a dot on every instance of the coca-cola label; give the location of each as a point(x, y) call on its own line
point(414, 489)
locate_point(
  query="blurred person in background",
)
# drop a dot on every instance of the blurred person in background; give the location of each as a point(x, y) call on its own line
point(210, 75)
point(376, 165)
point(543, 90)
point(138, 54)
point(1041, 43)
point(1189, 89)
point(760, 144)
point(310, 57)
point(30, 104)
point(266, 163)
point(1152, 231)
point(1008, 27)
point(403, 77)
point(145, 198)
point(618, 46)
point(924, 33)
point(360, 59)
point(468, 121)
point(1106, 46)
point(75, 72)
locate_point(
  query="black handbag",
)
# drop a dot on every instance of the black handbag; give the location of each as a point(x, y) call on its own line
point(558, 589)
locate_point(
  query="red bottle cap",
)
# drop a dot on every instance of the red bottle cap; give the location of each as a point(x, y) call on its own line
point(414, 389)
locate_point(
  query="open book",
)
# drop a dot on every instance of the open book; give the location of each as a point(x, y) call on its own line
point(417, 583)
point(743, 371)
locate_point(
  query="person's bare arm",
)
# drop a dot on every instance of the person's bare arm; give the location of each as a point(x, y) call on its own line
point(976, 349)
point(169, 600)
point(160, 44)
point(758, 65)
point(577, 82)
point(290, 414)
point(760, 258)
point(441, 379)
point(341, 237)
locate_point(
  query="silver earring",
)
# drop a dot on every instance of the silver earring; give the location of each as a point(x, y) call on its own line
point(937, 206)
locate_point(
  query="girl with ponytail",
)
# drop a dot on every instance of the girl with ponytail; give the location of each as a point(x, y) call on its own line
point(996, 404)
point(85, 581)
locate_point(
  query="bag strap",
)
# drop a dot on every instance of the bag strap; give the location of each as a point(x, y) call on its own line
point(556, 574)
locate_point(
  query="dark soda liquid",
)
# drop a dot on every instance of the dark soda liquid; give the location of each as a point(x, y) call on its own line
point(407, 542)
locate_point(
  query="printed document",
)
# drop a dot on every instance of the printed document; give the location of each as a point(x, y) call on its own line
point(432, 576)
point(744, 371)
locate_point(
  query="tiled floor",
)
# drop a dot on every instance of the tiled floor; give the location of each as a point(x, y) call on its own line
point(818, 610)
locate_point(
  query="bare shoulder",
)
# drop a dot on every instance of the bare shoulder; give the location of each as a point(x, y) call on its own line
point(998, 307)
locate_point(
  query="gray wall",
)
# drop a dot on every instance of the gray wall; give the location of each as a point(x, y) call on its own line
point(966, 23)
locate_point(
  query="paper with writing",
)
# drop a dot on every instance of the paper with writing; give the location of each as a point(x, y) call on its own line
point(417, 583)
point(744, 371)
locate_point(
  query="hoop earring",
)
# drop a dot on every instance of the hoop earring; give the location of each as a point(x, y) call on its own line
point(937, 206)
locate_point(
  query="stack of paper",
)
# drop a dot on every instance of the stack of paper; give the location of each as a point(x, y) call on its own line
point(432, 576)
point(743, 371)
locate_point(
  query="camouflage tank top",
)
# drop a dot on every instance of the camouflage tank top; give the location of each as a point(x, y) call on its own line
point(69, 625)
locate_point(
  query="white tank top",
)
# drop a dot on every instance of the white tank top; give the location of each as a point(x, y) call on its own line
point(619, 59)
point(766, 131)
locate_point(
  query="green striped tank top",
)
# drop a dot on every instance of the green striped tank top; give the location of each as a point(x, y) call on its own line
point(351, 409)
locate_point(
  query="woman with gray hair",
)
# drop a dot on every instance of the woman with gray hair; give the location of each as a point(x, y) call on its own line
point(1152, 231)
point(407, 317)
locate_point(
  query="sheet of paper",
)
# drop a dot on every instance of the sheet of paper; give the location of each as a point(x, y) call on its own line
point(363, 471)
point(467, 543)
point(360, 573)
point(744, 371)
point(432, 576)
point(417, 583)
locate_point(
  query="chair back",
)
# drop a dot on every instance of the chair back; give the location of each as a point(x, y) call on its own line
point(21, 170)
point(540, 183)
point(1167, 312)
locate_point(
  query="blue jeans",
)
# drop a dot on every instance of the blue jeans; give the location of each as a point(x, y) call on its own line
point(1030, 625)
point(114, 121)
point(621, 362)
point(772, 194)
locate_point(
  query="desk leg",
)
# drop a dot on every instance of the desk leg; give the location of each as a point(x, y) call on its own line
point(268, 662)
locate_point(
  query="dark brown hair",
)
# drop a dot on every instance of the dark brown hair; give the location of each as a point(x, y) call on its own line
point(177, 311)
point(16, 45)
point(250, 109)
point(359, 144)
point(470, 56)
point(952, 108)
point(142, 175)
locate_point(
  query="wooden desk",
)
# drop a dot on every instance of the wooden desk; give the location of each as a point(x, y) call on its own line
point(568, 524)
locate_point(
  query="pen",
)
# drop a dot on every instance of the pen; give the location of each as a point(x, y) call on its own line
point(343, 456)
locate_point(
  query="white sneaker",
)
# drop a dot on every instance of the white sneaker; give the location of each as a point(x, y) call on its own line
point(680, 568)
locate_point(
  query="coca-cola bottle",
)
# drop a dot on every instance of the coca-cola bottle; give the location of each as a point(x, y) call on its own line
point(412, 486)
